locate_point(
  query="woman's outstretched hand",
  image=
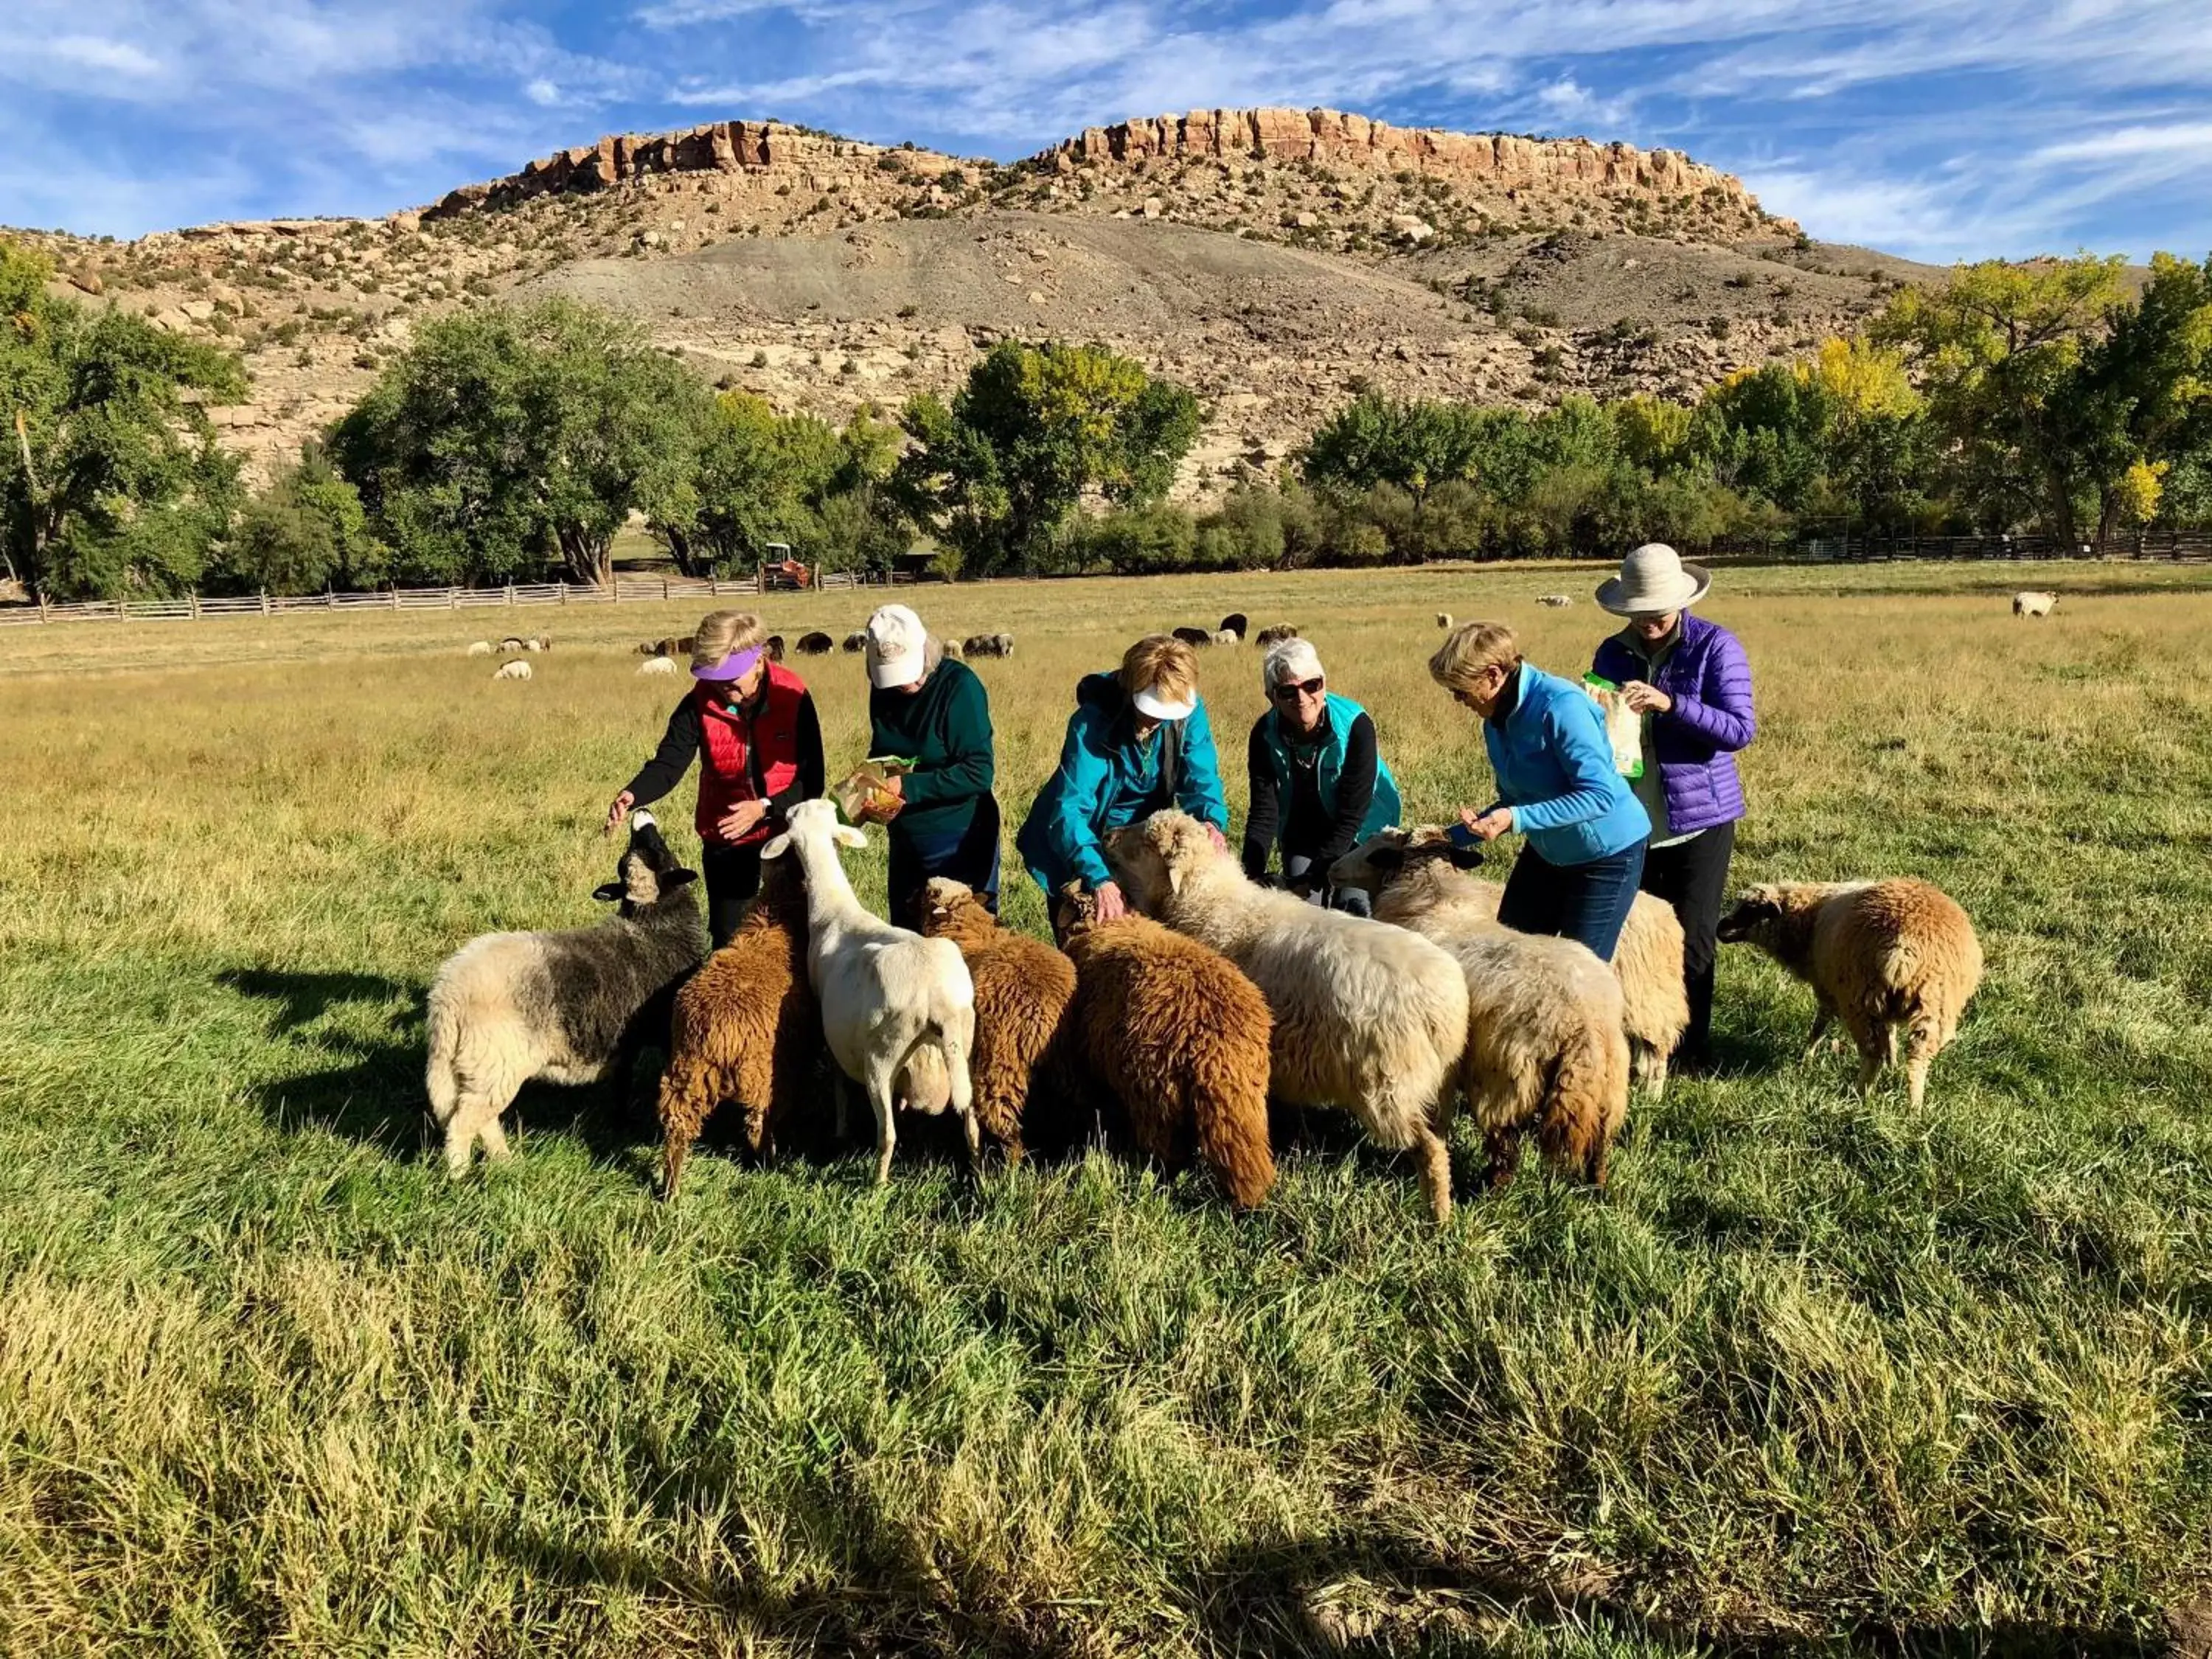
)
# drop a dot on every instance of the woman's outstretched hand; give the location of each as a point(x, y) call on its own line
point(616, 809)
point(1486, 826)
point(1112, 907)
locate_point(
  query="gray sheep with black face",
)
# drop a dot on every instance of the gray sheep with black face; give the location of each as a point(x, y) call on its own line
point(567, 1006)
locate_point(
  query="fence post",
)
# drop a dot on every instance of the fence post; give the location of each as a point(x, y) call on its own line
point(452, 598)
point(663, 590)
point(42, 606)
point(265, 601)
point(510, 594)
point(564, 591)
point(395, 596)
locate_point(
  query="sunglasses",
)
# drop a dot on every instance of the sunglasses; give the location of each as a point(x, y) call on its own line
point(1293, 689)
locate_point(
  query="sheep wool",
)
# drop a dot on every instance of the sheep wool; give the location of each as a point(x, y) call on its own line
point(1369, 1018)
point(1882, 957)
point(1022, 989)
point(745, 1030)
point(1181, 1037)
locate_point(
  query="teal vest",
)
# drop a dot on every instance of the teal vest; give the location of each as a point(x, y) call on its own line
point(1382, 808)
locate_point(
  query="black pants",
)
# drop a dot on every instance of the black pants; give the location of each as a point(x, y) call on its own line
point(1588, 902)
point(969, 856)
point(1353, 901)
point(732, 876)
point(1691, 878)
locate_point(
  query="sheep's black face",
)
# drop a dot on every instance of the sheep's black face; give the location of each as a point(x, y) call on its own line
point(1748, 921)
point(646, 872)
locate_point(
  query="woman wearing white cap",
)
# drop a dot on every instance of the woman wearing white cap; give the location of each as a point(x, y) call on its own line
point(1137, 742)
point(1690, 680)
point(932, 713)
point(752, 724)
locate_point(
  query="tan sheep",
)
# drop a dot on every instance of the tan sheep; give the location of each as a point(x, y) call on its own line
point(1648, 961)
point(516, 670)
point(1370, 1019)
point(661, 667)
point(1182, 1039)
point(2034, 605)
point(1023, 988)
point(480, 648)
point(745, 1030)
point(1545, 1047)
point(1881, 957)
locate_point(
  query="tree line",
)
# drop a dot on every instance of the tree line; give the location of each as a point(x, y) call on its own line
point(509, 443)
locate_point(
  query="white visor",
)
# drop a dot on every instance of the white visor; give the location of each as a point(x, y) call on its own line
point(885, 672)
point(1152, 706)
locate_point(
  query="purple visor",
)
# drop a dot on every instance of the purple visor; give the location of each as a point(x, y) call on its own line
point(735, 666)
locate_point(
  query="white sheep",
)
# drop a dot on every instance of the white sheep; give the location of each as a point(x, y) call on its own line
point(2034, 605)
point(516, 670)
point(1554, 601)
point(1880, 955)
point(1227, 636)
point(1369, 1018)
point(887, 995)
point(567, 1006)
point(480, 648)
point(658, 667)
point(1444, 620)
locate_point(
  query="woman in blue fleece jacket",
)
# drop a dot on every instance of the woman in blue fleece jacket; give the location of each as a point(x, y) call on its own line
point(1585, 831)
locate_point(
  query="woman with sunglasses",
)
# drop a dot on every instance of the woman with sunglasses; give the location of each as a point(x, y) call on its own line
point(1319, 787)
point(752, 724)
point(1583, 829)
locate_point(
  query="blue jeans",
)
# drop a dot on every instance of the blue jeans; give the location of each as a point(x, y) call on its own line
point(1352, 901)
point(970, 855)
point(1585, 902)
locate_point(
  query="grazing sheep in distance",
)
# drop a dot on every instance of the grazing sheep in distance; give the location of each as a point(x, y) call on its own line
point(658, 665)
point(954, 650)
point(1235, 623)
point(988, 645)
point(1197, 638)
point(1369, 1018)
point(775, 647)
point(1276, 634)
point(572, 1006)
point(670, 646)
point(1023, 987)
point(886, 992)
point(1180, 1036)
point(1880, 955)
point(480, 648)
point(1444, 620)
point(1545, 1047)
point(1555, 601)
point(538, 642)
point(510, 645)
point(856, 643)
point(2034, 605)
point(1648, 961)
point(517, 670)
point(744, 1029)
point(817, 644)
point(1228, 637)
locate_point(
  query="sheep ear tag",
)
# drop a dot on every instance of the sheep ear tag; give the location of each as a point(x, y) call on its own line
point(608, 891)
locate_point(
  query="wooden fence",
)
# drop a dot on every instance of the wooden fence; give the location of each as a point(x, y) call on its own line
point(623, 590)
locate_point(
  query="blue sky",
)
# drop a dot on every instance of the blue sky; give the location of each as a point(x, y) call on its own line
point(1931, 128)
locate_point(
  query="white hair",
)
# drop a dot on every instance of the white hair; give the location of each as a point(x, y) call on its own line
point(1296, 655)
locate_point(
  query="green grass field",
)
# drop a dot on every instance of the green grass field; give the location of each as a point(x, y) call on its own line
point(1813, 1370)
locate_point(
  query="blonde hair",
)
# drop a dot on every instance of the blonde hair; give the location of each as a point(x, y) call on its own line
point(1161, 663)
point(1470, 648)
point(721, 632)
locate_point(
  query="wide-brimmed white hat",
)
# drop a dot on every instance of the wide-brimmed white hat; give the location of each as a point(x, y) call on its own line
point(1152, 705)
point(897, 646)
point(1654, 580)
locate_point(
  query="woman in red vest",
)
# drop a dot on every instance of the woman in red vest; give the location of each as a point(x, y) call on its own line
point(752, 724)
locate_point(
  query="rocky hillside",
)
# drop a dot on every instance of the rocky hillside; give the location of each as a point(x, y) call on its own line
point(1278, 260)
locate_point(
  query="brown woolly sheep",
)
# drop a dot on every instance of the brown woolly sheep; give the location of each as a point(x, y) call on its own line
point(1279, 632)
point(1368, 1019)
point(1181, 1038)
point(1880, 955)
point(745, 1028)
point(1023, 987)
point(1648, 961)
point(1545, 1048)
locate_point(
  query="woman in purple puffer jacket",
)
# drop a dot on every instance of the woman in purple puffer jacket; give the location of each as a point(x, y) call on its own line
point(1689, 679)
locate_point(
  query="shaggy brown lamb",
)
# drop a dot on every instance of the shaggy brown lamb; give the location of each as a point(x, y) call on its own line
point(1181, 1038)
point(1023, 988)
point(745, 1030)
point(1648, 960)
point(1881, 956)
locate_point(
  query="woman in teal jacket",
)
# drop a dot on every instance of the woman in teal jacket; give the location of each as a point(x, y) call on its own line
point(1556, 784)
point(1137, 742)
point(1319, 786)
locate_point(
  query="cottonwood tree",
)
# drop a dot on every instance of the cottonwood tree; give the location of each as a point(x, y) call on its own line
point(110, 479)
point(509, 439)
point(997, 471)
point(763, 477)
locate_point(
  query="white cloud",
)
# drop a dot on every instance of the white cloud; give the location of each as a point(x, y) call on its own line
point(543, 93)
point(2185, 140)
point(95, 51)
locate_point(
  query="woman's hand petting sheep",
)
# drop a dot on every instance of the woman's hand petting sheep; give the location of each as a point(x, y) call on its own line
point(1220, 842)
point(1488, 826)
point(1112, 907)
point(741, 819)
point(616, 809)
point(1645, 699)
